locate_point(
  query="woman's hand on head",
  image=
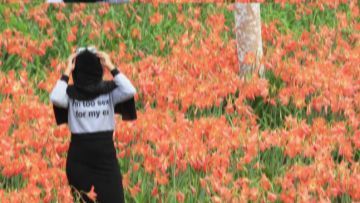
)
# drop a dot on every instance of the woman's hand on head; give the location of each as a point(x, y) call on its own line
point(70, 64)
point(105, 60)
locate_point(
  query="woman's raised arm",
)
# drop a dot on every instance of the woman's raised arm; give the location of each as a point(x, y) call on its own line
point(58, 95)
point(124, 90)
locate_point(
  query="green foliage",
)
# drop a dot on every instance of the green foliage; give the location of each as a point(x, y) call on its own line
point(12, 183)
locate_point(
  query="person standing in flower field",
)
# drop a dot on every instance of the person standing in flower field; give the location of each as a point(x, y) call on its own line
point(89, 107)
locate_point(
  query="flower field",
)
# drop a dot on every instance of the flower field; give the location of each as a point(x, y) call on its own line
point(203, 133)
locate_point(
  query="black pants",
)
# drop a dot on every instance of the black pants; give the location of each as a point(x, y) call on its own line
point(92, 160)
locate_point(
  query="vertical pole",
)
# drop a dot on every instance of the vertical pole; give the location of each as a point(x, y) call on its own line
point(248, 36)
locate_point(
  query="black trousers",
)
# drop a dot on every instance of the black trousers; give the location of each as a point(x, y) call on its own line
point(91, 160)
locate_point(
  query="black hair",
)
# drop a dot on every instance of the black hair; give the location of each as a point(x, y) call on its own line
point(88, 69)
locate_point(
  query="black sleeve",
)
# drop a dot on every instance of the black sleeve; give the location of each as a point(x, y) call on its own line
point(126, 109)
point(61, 114)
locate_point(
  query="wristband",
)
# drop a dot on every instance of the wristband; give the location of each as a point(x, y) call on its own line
point(64, 78)
point(114, 72)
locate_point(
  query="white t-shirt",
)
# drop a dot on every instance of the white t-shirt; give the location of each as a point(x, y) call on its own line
point(96, 114)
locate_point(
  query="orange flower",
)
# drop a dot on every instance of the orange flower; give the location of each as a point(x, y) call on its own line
point(135, 33)
point(109, 26)
point(135, 190)
point(265, 183)
point(161, 42)
point(162, 179)
point(72, 35)
point(60, 16)
point(156, 18)
point(180, 197)
point(91, 194)
point(180, 18)
point(271, 197)
point(155, 191)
